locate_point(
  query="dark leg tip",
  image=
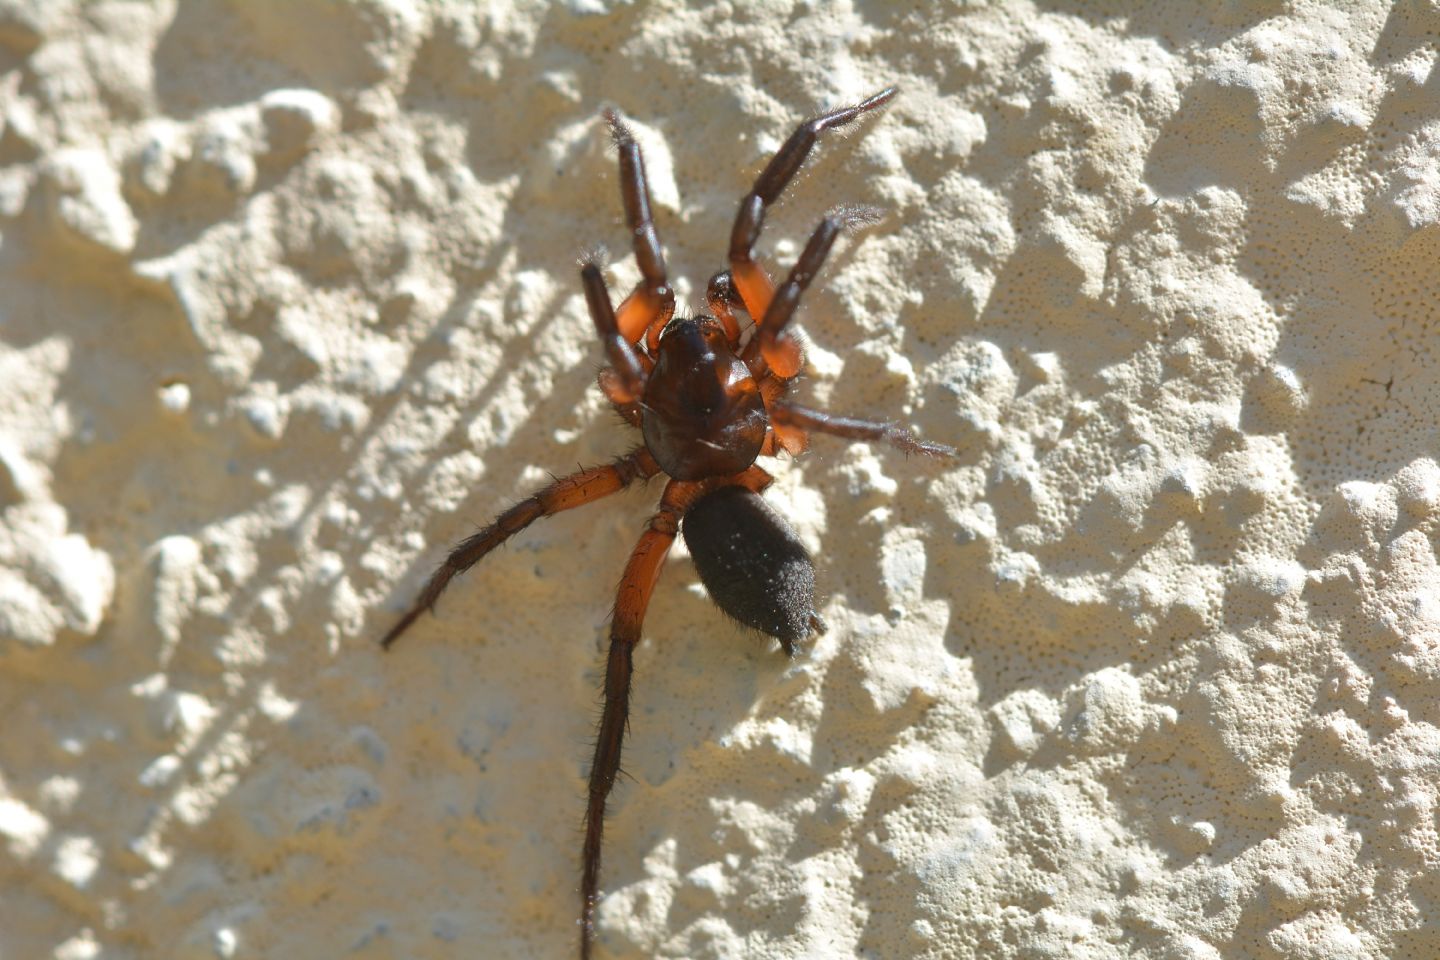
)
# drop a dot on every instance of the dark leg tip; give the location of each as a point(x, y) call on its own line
point(395, 632)
point(879, 99)
point(619, 132)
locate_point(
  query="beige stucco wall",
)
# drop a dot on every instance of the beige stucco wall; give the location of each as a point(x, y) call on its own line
point(289, 304)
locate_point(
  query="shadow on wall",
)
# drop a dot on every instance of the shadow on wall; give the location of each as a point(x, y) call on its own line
point(220, 53)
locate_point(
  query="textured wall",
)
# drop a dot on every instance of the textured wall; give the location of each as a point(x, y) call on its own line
point(289, 304)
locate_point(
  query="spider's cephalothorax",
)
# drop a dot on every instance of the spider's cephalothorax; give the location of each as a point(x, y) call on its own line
point(701, 413)
point(708, 399)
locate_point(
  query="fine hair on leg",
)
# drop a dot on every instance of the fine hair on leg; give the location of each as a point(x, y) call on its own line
point(566, 493)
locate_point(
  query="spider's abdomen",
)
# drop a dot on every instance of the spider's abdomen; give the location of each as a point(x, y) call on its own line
point(701, 414)
point(753, 565)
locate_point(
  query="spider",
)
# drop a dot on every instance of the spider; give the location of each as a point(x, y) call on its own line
point(707, 401)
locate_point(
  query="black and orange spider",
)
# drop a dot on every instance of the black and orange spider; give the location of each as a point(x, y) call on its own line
point(707, 401)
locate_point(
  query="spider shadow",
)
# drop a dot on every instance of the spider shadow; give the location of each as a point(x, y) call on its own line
point(248, 49)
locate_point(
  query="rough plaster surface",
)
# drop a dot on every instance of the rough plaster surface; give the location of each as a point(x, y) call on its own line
point(289, 304)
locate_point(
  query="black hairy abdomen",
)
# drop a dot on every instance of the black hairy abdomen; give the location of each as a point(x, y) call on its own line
point(753, 565)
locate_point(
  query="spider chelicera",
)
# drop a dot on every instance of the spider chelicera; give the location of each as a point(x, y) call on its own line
point(708, 401)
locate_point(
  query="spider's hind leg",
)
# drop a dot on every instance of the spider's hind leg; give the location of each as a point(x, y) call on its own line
point(631, 601)
point(565, 493)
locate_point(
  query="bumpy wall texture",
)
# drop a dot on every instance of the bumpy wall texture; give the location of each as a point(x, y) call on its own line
point(290, 304)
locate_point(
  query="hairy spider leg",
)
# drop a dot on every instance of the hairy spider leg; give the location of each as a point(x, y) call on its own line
point(773, 360)
point(784, 414)
point(631, 601)
point(781, 355)
point(566, 493)
point(626, 386)
point(792, 440)
point(652, 302)
point(749, 276)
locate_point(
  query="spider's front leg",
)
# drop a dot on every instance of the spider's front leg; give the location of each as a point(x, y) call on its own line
point(651, 304)
point(567, 493)
point(770, 349)
point(636, 586)
point(749, 277)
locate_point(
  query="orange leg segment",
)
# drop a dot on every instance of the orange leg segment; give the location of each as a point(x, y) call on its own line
point(754, 286)
point(631, 602)
point(641, 310)
point(653, 298)
point(750, 279)
point(636, 586)
point(566, 493)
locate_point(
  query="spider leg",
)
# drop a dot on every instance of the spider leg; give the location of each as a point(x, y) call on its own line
point(781, 354)
point(754, 478)
point(565, 493)
point(792, 440)
point(784, 414)
point(652, 301)
point(749, 277)
point(633, 598)
point(628, 383)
